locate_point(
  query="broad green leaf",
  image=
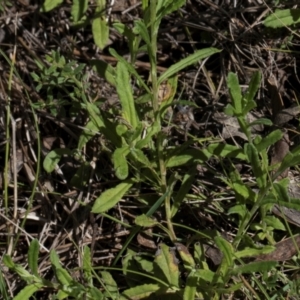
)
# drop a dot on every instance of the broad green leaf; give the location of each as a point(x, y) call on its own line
point(105, 70)
point(191, 59)
point(188, 156)
point(261, 121)
point(111, 197)
point(53, 157)
point(166, 265)
point(281, 191)
point(235, 92)
point(269, 140)
point(61, 294)
point(87, 264)
point(247, 106)
point(100, 32)
point(239, 209)
point(190, 287)
point(100, 27)
point(110, 285)
point(294, 203)
point(199, 256)
point(207, 275)
point(253, 87)
point(133, 264)
point(229, 110)
point(226, 150)
point(78, 9)
point(95, 293)
point(187, 181)
point(33, 255)
point(54, 259)
point(24, 274)
point(226, 248)
point(141, 291)
point(125, 95)
point(139, 155)
point(90, 130)
point(261, 266)
point(130, 68)
point(120, 162)
point(242, 189)
point(283, 18)
point(50, 4)
point(145, 221)
point(28, 291)
point(63, 276)
point(7, 260)
point(165, 7)
point(274, 222)
point(140, 28)
point(251, 252)
point(257, 168)
point(185, 255)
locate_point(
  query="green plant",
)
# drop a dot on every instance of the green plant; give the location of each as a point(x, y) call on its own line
point(65, 285)
point(79, 8)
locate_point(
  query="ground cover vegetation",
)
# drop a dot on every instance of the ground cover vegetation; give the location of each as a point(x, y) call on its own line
point(149, 149)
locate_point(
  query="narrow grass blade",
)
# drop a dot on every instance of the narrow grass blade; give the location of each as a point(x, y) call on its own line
point(193, 58)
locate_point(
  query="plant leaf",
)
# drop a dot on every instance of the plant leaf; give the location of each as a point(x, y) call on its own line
point(53, 157)
point(110, 285)
point(186, 256)
point(87, 264)
point(100, 27)
point(130, 69)
point(251, 252)
point(145, 221)
point(78, 9)
point(226, 249)
point(54, 259)
point(190, 287)
point(28, 291)
point(253, 87)
point(191, 59)
point(235, 92)
point(261, 266)
point(166, 265)
point(283, 18)
point(111, 197)
point(90, 130)
point(187, 157)
point(269, 140)
point(226, 150)
point(252, 153)
point(33, 255)
point(50, 4)
point(125, 95)
point(63, 276)
point(187, 181)
point(105, 70)
point(141, 291)
point(120, 162)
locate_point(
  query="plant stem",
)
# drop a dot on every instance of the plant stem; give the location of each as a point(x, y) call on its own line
point(155, 105)
point(153, 52)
